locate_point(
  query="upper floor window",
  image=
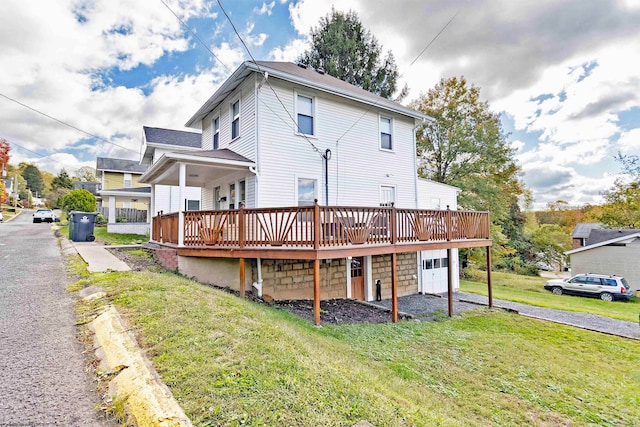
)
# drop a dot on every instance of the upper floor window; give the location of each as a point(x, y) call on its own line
point(216, 133)
point(235, 120)
point(305, 110)
point(386, 140)
point(128, 180)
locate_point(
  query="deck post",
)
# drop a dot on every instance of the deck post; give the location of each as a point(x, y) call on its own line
point(393, 223)
point(394, 288)
point(241, 225)
point(316, 225)
point(489, 289)
point(450, 283)
point(316, 291)
point(242, 290)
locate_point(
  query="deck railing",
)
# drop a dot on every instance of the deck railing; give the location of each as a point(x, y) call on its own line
point(319, 226)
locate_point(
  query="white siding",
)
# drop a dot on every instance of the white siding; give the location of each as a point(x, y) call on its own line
point(430, 193)
point(166, 197)
point(619, 260)
point(357, 167)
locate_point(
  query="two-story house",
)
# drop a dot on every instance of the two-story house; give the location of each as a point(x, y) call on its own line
point(310, 179)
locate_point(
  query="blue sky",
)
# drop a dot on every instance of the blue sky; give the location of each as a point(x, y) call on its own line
point(562, 75)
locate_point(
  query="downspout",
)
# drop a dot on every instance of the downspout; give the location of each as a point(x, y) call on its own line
point(254, 170)
point(326, 156)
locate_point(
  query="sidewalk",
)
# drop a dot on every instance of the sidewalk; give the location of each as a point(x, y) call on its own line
point(96, 255)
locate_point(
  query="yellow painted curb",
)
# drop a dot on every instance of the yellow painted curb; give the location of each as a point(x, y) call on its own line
point(147, 400)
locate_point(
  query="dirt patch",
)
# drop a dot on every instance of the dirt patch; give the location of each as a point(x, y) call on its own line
point(136, 261)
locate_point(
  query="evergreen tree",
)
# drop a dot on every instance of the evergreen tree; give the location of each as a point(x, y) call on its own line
point(32, 175)
point(343, 48)
point(62, 181)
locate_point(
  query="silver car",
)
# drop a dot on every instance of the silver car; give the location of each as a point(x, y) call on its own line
point(607, 288)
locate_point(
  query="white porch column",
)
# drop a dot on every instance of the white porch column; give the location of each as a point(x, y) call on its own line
point(112, 209)
point(181, 193)
point(152, 210)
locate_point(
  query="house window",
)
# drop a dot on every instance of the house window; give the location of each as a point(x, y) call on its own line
point(306, 191)
point(235, 120)
point(128, 179)
point(241, 191)
point(305, 112)
point(386, 142)
point(193, 205)
point(387, 195)
point(306, 196)
point(232, 196)
point(216, 133)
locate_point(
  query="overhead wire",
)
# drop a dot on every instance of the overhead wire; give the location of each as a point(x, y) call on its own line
point(38, 154)
point(67, 124)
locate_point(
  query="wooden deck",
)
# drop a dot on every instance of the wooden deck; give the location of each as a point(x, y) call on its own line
point(322, 232)
point(319, 232)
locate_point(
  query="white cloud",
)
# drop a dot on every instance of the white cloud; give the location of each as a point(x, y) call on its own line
point(629, 142)
point(265, 9)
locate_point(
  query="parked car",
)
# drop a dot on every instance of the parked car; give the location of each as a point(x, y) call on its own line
point(1, 217)
point(607, 288)
point(44, 215)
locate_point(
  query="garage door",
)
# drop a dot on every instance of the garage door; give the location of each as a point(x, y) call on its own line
point(434, 271)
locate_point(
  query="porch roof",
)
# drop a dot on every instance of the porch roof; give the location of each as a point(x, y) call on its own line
point(202, 166)
point(136, 192)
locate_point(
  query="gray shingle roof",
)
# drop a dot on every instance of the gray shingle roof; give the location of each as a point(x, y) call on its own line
point(602, 235)
point(583, 229)
point(119, 165)
point(178, 138)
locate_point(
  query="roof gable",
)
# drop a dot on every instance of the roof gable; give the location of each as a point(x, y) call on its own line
point(107, 164)
point(624, 238)
point(301, 75)
point(582, 229)
point(176, 138)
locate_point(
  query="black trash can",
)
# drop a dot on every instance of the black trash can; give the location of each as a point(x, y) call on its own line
point(81, 226)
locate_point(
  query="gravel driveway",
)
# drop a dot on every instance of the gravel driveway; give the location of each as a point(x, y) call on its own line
point(426, 307)
point(43, 379)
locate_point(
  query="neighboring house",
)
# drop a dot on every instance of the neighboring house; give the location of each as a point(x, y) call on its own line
point(121, 189)
point(91, 187)
point(609, 252)
point(581, 233)
point(311, 180)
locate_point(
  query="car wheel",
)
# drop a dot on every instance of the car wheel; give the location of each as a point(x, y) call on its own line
point(606, 296)
point(557, 290)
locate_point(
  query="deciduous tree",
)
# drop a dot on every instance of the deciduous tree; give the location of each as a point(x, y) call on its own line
point(87, 174)
point(622, 207)
point(343, 48)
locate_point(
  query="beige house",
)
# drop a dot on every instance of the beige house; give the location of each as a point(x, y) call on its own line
point(121, 190)
point(613, 252)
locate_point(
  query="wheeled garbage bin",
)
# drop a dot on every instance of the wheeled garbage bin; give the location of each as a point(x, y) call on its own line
point(81, 226)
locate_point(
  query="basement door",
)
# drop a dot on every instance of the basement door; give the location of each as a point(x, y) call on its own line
point(357, 278)
point(435, 277)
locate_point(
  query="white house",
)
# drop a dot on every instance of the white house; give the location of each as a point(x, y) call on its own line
point(276, 137)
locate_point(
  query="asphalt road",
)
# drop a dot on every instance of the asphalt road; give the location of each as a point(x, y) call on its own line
point(43, 380)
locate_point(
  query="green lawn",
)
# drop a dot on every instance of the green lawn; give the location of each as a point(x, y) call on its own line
point(230, 362)
point(530, 290)
point(101, 235)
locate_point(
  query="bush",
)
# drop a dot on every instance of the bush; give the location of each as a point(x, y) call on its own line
point(101, 219)
point(79, 200)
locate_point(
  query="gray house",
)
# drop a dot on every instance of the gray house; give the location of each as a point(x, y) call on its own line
point(609, 252)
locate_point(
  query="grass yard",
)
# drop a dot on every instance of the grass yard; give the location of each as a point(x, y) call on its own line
point(111, 238)
point(530, 290)
point(230, 362)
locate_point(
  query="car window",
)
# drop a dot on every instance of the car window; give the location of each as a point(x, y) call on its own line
point(611, 282)
point(593, 280)
point(624, 282)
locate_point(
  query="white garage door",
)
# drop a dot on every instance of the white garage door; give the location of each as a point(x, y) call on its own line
point(435, 276)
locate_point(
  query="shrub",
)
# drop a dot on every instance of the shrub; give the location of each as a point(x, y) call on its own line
point(79, 200)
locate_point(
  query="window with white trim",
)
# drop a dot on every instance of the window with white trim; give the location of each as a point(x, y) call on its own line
point(216, 132)
point(305, 110)
point(307, 193)
point(232, 196)
point(241, 192)
point(386, 137)
point(235, 120)
point(128, 180)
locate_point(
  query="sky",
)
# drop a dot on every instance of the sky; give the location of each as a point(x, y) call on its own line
point(79, 78)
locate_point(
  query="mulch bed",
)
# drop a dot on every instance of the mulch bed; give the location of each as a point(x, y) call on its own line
point(332, 312)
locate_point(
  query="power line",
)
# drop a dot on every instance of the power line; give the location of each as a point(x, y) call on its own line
point(67, 124)
point(195, 35)
point(268, 82)
point(38, 154)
